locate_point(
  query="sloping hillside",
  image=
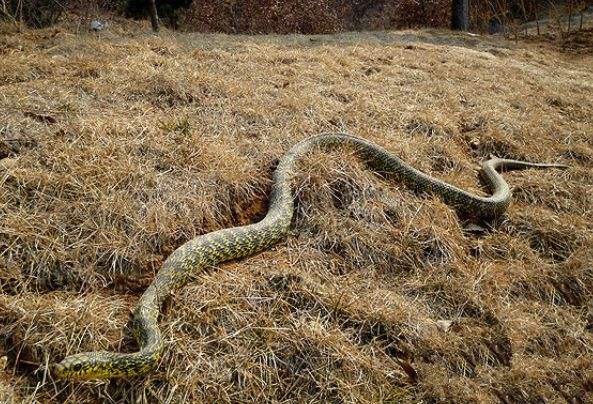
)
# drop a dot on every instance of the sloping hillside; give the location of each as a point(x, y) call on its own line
point(120, 146)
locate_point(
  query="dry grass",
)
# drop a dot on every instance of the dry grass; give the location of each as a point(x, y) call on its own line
point(122, 145)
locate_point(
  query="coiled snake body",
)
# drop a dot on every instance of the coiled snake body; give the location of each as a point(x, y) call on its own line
point(237, 242)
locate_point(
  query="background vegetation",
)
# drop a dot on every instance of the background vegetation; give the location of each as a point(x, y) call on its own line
point(309, 16)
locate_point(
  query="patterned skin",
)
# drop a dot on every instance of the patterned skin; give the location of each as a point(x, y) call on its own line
point(233, 243)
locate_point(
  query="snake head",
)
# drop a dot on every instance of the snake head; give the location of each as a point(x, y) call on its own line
point(107, 365)
point(90, 365)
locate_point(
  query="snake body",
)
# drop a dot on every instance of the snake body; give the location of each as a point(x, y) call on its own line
point(233, 243)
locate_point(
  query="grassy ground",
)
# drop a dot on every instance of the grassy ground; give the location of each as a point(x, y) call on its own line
point(120, 146)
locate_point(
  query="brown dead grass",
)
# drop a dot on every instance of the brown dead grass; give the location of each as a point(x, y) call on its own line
point(122, 145)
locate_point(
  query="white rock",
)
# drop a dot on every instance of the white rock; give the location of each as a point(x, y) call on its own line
point(97, 25)
point(444, 325)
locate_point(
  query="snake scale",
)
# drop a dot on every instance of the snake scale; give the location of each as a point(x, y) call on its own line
point(232, 243)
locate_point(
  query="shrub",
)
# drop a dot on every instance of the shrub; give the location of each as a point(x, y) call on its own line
point(313, 16)
point(43, 13)
point(35, 13)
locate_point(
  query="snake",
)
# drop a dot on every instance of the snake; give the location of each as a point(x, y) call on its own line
point(210, 249)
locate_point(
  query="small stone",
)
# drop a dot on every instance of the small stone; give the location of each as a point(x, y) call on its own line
point(444, 325)
point(97, 25)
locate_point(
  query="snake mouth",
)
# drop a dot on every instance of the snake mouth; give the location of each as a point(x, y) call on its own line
point(67, 370)
point(58, 369)
point(64, 371)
